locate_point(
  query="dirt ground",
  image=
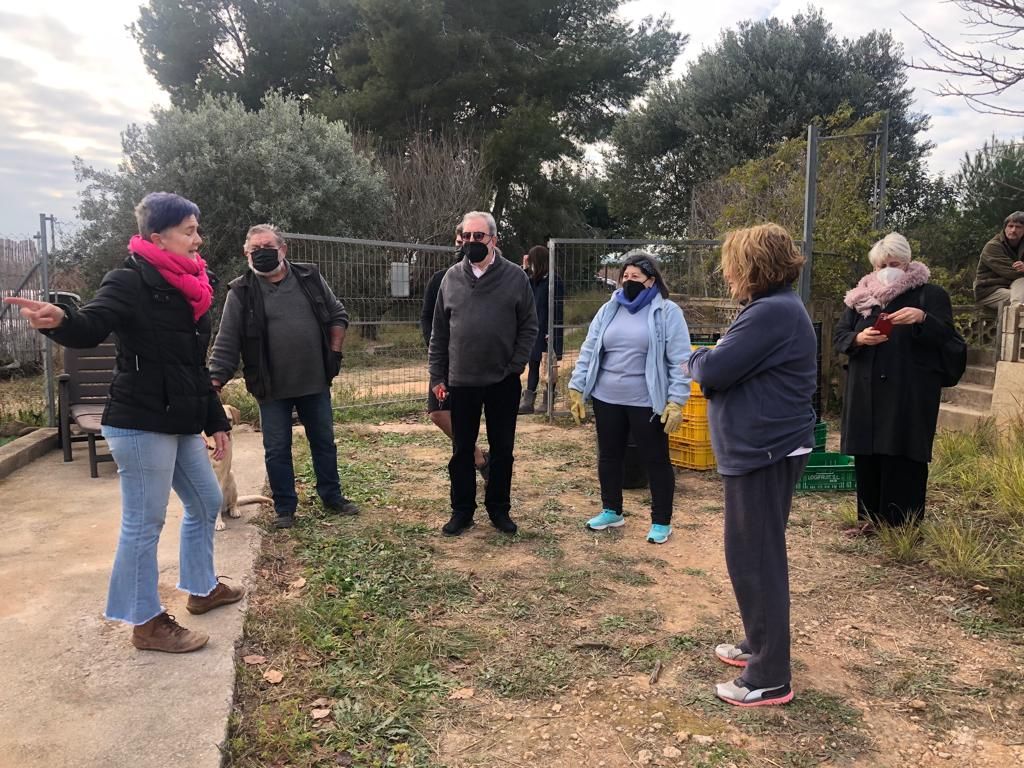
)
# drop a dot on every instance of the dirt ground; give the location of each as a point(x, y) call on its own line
point(892, 666)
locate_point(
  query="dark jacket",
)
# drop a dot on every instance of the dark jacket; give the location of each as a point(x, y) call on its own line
point(759, 381)
point(995, 266)
point(161, 383)
point(247, 334)
point(429, 302)
point(891, 403)
point(484, 327)
point(540, 296)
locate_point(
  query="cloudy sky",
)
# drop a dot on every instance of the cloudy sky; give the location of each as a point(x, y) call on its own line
point(72, 78)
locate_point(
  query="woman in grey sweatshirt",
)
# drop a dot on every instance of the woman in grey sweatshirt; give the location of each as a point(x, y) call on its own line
point(759, 381)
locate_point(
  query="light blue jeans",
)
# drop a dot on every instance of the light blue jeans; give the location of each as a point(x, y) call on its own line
point(150, 464)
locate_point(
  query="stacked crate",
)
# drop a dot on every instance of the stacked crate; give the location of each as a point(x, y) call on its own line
point(690, 445)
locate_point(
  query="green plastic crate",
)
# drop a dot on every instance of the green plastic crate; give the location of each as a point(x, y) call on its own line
point(828, 472)
point(820, 434)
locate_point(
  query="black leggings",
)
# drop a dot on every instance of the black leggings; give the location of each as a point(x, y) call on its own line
point(614, 424)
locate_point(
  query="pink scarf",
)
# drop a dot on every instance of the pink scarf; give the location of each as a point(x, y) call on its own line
point(185, 274)
point(871, 293)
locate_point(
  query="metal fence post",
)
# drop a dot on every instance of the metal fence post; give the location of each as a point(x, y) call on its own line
point(550, 330)
point(44, 261)
point(810, 202)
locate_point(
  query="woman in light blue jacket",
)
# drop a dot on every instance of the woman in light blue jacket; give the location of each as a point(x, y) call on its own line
point(631, 367)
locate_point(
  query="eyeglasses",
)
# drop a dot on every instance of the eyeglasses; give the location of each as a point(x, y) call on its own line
point(478, 236)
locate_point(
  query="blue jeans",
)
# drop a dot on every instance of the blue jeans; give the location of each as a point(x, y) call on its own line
point(318, 421)
point(150, 464)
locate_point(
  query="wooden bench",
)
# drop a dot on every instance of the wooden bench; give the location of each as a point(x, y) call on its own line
point(82, 393)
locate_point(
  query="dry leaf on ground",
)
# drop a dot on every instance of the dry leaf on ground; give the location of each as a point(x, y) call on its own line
point(273, 676)
point(462, 693)
point(254, 658)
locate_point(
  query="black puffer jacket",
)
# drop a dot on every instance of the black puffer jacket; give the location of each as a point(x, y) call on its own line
point(161, 383)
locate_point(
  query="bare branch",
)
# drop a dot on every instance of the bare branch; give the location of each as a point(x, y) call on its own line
point(990, 72)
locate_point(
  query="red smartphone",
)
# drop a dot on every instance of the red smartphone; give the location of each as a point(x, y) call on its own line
point(883, 324)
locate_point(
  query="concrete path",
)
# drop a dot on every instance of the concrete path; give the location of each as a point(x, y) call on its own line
point(73, 690)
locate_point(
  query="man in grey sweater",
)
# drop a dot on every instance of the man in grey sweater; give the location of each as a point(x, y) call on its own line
point(485, 323)
point(288, 327)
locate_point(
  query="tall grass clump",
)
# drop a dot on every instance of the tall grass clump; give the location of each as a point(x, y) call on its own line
point(974, 524)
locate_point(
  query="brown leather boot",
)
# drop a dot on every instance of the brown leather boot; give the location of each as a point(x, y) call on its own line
point(163, 633)
point(222, 595)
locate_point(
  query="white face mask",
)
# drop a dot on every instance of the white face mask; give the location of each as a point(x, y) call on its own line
point(889, 275)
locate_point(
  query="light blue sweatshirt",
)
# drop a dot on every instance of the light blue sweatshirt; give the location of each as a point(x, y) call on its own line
point(667, 353)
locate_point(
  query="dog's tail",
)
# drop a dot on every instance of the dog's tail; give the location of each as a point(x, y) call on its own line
point(243, 500)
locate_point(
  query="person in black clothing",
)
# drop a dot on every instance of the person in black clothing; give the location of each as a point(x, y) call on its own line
point(439, 411)
point(157, 306)
point(537, 264)
point(485, 323)
point(288, 327)
point(893, 384)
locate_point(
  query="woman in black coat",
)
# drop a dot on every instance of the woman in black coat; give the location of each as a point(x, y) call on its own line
point(893, 384)
point(538, 261)
point(157, 306)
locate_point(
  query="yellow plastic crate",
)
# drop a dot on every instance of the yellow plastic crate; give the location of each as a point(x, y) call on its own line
point(690, 455)
point(693, 431)
point(695, 390)
point(695, 408)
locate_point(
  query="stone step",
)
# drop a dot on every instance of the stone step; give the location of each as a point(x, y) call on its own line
point(969, 395)
point(958, 417)
point(981, 356)
point(979, 374)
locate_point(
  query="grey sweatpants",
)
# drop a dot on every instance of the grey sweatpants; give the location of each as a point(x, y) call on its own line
point(756, 512)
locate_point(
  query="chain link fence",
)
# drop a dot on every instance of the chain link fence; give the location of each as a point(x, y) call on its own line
point(22, 394)
point(382, 285)
point(589, 272)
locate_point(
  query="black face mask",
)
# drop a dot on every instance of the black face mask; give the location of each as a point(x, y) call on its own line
point(476, 252)
point(632, 288)
point(265, 260)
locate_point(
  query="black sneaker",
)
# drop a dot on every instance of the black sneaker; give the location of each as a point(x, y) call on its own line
point(284, 521)
point(342, 507)
point(504, 523)
point(456, 525)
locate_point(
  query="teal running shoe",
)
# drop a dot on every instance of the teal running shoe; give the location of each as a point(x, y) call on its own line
point(659, 533)
point(607, 519)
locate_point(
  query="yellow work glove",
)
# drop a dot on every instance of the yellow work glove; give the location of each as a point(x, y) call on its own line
point(672, 417)
point(576, 406)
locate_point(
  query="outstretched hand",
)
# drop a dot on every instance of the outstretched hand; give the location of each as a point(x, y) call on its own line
point(40, 314)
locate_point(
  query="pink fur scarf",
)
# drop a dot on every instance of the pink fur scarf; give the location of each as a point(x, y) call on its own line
point(870, 292)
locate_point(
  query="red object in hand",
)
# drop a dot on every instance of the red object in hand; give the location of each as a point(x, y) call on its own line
point(883, 324)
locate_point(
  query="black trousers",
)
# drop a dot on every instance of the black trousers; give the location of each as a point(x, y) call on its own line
point(499, 403)
point(890, 489)
point(756, 513)
point(533, 375)
point(614, 423)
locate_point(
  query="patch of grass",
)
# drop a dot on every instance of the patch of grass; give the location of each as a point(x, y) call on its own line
point(715, 756)
point(902, 543)
point(355, 635)
point(632, 577)
point(531, 673)
point(816, 728)
point(964, 550)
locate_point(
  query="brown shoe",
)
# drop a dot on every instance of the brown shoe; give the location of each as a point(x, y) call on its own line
point(163, 633)
point(222, 595)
